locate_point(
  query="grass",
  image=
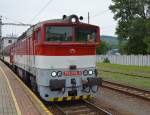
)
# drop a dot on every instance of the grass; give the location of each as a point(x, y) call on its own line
point(136, 70)
point(126, 79)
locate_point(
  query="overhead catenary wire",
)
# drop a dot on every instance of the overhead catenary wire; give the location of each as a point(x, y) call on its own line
point(10, 26)
point(42, 9)
point(96, 15)
point(99, 13)
point(13, 20)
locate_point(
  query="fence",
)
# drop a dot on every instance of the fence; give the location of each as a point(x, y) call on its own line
point(138, 60)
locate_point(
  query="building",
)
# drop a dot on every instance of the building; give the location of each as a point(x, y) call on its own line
point(6, 41)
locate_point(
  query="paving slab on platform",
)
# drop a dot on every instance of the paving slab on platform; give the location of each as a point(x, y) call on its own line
point(16, 98)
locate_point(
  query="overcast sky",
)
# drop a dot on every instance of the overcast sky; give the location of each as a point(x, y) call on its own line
point(33, 11)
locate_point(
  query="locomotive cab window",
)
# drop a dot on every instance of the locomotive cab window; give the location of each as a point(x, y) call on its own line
point(58, 34)
point(86, 35)
point(9, 41)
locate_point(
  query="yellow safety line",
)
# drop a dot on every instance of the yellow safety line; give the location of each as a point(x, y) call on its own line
point(35, 97)
point(12, 93)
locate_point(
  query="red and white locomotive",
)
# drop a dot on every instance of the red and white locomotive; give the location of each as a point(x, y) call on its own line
point(58, 58)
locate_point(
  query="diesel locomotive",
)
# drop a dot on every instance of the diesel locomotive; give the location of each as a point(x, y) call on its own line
point(57, 58)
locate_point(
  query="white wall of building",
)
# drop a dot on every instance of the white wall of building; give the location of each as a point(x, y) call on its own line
point(6, 41)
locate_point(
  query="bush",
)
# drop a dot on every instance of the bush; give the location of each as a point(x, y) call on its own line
point(106, 60)
point(103, 48)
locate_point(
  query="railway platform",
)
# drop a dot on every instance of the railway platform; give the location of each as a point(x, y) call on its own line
point(16, 98)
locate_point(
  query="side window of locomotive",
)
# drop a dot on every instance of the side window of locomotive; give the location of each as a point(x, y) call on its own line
point(9, 41)
point(38, 35)
point(58, 34)
point(85, 35)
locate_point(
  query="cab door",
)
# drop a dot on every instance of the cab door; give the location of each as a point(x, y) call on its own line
point(36, 41)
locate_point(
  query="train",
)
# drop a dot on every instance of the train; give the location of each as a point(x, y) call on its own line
point(57, 58)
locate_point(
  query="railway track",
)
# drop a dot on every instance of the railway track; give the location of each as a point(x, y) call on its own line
point(140, 93)
point(77, 108)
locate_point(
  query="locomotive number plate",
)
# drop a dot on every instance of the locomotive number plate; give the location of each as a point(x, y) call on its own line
point(72, 73)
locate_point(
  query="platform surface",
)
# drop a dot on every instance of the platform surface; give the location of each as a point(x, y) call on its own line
point(7, 105)
point(16, 98)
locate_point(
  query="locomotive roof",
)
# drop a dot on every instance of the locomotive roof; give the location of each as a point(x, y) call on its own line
point(60, 21)
point(56, 21)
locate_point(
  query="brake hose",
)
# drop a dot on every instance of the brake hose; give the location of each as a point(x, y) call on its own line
point(95, 90)
point(86, 90)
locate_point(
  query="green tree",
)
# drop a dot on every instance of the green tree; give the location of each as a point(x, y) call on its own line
point(147, 38)
point(133, 17)
point(103, 48)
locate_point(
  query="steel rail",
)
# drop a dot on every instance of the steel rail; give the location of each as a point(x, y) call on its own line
point(129, 90)
point(101, 111)
point(79, 108)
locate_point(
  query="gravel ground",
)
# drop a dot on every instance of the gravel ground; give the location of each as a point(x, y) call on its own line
point(121, 104)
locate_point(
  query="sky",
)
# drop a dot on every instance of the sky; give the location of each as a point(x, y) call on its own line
point(34, 11)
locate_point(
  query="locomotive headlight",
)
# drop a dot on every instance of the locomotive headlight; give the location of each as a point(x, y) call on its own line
point(59, 73)
point(73, 20)
point(90, 72)
point(53, 74)
point(85, 72)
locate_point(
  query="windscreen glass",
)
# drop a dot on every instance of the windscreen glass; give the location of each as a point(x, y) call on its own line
point(58, 34)
point(85, 35)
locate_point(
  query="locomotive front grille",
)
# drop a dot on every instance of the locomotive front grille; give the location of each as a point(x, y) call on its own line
point(57, 85)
